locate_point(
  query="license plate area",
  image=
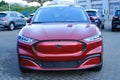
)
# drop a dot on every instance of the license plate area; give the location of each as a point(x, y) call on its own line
point(69, 64)
point(118, 26)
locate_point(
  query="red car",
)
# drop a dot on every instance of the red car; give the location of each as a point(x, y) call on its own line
point(60, 37)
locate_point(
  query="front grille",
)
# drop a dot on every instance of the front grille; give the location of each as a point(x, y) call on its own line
point(70, 64)
point(59, 47)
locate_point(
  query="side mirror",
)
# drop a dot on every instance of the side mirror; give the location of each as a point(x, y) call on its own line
point(102, 15)
point(91, 18)
point(29, 20)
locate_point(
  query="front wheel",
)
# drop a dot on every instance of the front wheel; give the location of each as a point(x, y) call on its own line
point(98, 68)
point(103, 27)
point(113, 27)
point(11, 26)
point(24, 70)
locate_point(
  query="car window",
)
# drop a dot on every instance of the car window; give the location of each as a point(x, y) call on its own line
point(20, 15)
point(117, 13)
point(13, 14)
point(2, 15)
point(60, 14)
point(91, 13)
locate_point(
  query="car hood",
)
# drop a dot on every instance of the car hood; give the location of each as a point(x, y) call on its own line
point(53, 31)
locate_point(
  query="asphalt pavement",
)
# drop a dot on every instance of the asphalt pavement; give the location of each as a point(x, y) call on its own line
point(9, 66)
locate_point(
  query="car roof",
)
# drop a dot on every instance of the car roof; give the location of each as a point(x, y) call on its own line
point(91, 10)
point(8, 12)
point(32, 14)
point(61, 5)
point(117, 10)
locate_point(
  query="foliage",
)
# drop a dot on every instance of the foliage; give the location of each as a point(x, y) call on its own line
point(37, 0)
point(4, 8)
point(40, 1)
point(18, 8)
point(2, 3)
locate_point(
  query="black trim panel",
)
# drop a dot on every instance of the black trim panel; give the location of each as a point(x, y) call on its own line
point(65, 64)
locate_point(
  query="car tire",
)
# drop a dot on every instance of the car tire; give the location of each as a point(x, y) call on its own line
point(103, 26)
point(113, 27)
point(11, 26)
point(98, 68)
point(24, 70)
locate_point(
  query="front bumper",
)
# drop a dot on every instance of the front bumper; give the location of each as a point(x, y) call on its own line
point(89, 62)
point(116, 22)
point(89, 56)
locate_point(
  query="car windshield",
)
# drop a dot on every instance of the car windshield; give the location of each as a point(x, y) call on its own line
point(91, 13)
point(60, 14)
point(117, 13)
point(2, 15)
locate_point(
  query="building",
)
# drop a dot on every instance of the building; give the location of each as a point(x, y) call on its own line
point(106, 7)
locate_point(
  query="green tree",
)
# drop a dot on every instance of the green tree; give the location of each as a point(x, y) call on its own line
point(2, 3)
point(18, 8)
point(4, 8)
point(40, 1)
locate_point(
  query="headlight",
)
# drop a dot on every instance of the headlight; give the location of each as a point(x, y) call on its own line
point(25, 39)
point(93, 38)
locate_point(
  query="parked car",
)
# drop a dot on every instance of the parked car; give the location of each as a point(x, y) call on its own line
point(11, 19)
point(96, 17)
point(116, 20)
point(30, 18)
point(60, 37)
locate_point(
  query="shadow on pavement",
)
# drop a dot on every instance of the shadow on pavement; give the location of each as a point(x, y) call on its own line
point(6, 29)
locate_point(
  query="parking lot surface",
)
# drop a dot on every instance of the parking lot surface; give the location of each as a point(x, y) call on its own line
point(9, 66)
